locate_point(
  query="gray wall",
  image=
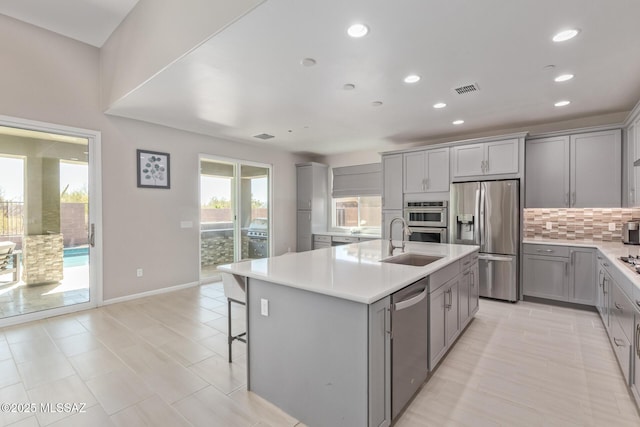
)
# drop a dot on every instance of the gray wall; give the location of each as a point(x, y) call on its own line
point(50, 78)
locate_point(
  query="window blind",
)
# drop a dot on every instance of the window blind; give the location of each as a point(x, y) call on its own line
point(359, 180)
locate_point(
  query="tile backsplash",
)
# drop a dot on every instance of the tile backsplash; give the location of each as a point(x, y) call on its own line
point(578, 224)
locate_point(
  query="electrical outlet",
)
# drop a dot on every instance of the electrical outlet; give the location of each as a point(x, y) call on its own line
point(549, 225)
point(139, 272)
point(612, 226)
point(264, 307)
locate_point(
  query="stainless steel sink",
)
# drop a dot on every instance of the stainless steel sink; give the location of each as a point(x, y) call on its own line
point(417, 260)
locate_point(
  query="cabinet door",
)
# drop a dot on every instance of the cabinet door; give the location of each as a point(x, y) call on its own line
point(392, 181)
point(501, 157)
point(437, 313)
point(467, 160)
point(474, 289)
point(596, 176)
point(304, 234)
point(582, 288)
point(547, 173)
point(414, 172)
point(635, 140)
point(379, 363)
point(437, 178)
point(387, 216)
point(463, 297)
point(635, 361)
point(452, 321)
point(304, 190)
point(546, 277)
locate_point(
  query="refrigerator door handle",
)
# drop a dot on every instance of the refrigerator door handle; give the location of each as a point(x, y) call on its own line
point(494, 257)
point(481, 208)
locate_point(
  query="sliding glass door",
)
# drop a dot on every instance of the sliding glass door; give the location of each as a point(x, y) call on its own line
point(234, 213)
point(45, 231)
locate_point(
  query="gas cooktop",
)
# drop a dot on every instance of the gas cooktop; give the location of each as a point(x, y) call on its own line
point(632, 262)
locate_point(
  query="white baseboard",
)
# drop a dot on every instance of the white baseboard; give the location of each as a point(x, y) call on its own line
point(150, 293)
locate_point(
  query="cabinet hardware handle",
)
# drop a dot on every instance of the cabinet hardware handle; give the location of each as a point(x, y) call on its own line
point(566, 268)
point(387, 323)
point(566, 199)
point(638, 303)
point(638, 339)
point(544, 250)
point(571, 257)
point(618, 306)
point(486, 166)
point(466, 273)
point(473, 279)
point(427, 183)
point(599, 257)
point(574, 199)
point(615, 340)
point(605, 264)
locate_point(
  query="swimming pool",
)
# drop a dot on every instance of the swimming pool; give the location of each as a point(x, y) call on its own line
point(75, 257)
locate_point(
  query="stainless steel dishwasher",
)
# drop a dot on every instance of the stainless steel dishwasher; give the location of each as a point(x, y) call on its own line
point(409, 358)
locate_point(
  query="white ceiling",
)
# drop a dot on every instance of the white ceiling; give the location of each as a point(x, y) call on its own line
point(89, 21)
point(248, 79)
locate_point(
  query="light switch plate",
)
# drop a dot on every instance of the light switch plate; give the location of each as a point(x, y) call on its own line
point(549, 225)
point(186, 224)
point(264, 307)
point(612, 226)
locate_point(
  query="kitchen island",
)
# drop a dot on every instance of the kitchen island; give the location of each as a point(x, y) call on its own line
point(319, 325)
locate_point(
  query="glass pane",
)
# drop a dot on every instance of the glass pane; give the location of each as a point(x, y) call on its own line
point(371, 211)
point(44, 215)
point(358, 212)
point(254, 211)
point(217, 229)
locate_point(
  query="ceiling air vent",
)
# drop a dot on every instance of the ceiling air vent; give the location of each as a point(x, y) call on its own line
point(263, 136)
point(467, 89)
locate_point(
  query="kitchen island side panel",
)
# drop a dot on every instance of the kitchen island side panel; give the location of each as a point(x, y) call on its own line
point(309, 355)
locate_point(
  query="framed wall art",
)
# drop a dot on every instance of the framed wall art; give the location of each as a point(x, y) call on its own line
point(153, 169)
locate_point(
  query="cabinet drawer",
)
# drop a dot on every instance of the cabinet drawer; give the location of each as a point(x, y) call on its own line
point(443, 275)
point(549, 250)
point(622, 310)
point(344, 239)
point(321, 238)
point(468, 260)
point(621, 348)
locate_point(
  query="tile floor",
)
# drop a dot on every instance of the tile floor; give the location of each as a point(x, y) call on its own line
point(18, 298)
point(161, 361)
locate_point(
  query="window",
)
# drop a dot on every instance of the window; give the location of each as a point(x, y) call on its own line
point(360, 212)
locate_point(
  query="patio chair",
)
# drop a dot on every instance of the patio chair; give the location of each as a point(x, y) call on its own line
point(6, 254)
point(234, 290)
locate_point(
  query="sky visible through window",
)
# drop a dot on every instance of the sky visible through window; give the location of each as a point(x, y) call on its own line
point(220, 188)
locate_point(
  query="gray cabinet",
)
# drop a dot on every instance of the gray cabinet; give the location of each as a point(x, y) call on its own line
point(582, 286)
point(546, 277)
point(468, 295)
point(487, 158)
point(380, 363)
point(621, 329)
point(311, 191)
point(392, 181)
point(444, 322)
point(602, 299)
point(547, 172)
point(321, 241)
point(632, 142)
point(560, 273)
point(426, 171)
point(581, 170)
point(635, 356)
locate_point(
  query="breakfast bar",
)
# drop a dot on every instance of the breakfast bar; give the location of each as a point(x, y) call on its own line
point(319, 325)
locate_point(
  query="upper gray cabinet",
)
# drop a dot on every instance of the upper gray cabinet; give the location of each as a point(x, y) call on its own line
point(487, 158)
point(632, 141)
point(581, 170)
point(426, 171)
point(392, 181)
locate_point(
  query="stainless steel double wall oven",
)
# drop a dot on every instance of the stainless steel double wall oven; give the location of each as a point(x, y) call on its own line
point(427, 220)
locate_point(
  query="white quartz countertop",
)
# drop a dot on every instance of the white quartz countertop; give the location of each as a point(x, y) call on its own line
point(343, 234)
point(353, 272)
point(611, 250)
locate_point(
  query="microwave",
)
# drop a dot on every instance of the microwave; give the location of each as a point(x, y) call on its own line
point(428, 235)
point(426, 214)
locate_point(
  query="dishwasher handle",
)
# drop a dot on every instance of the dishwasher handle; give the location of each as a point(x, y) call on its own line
point(409, 302)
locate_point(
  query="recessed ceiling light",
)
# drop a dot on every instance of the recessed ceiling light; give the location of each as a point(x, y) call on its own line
point(439, 105)
point(349, 86)
point(412, 78)
point(376, 103)
point(458, 122)
point(308, 62)
point(358, 30)
point(562, 103)
point(563, 78)
point(565, 35)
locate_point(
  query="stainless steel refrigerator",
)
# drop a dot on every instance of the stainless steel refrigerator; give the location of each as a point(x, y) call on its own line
point(487, 214)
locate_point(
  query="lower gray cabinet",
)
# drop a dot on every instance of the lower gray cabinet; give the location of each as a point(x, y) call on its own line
point(560, 273)
point(380, 363)
point(444, 322)
point(469, 294)
point(304, 235)
point(546, 277)
point(635, 356)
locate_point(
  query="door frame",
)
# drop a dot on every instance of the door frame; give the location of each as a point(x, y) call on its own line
point(237, 163)
point(95, 214)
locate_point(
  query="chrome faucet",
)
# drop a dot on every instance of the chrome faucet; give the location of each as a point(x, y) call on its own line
point(406, 231)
